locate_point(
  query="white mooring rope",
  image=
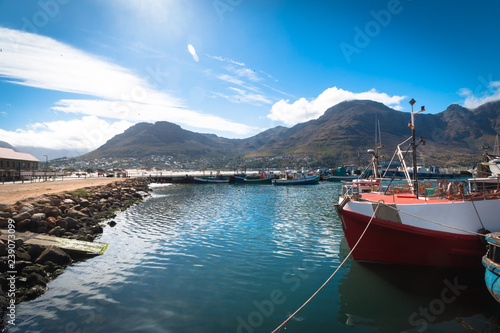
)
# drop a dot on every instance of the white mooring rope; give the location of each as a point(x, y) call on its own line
point(331, 276)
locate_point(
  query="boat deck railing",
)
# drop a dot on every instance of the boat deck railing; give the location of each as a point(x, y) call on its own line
point(467, 189)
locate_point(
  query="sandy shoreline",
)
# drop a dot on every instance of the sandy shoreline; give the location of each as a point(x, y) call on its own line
point(11, 193)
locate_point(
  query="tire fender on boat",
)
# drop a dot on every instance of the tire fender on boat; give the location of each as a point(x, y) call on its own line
point(443, 186)
point(482, 239)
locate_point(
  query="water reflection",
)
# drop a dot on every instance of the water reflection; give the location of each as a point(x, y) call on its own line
point(394, 298)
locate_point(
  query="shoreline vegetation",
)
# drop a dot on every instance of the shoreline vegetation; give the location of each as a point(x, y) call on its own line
point(71, 209)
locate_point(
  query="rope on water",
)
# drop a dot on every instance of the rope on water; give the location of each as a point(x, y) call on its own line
point(333, 274)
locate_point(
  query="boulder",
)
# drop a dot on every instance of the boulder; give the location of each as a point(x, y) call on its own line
point(21, 216)
point(51, 211)
point(21, 264)
point(57, 231)
point(68, 202)
point(3, 249)
point(96, 229)
point(25, 208)
point(43, 201)
point(71, 223)
point(87, 211)
point(9, 209)
point(35, 279)
point(75, 214)
point(37, 218)
point(51, 222)
point(54, 254)
point(6, 215)
point(4, 222)
point(62, 223)
point(55, 201)
point(84, 203)
point(22, 255)
point(34, 251)
point(25, 224)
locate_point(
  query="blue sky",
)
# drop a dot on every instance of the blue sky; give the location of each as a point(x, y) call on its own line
point(75, 73)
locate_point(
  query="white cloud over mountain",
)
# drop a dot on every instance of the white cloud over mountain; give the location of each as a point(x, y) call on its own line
point(303, 109)
point(473, 99)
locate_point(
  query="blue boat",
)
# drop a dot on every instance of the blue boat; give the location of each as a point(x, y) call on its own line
point(491, 262)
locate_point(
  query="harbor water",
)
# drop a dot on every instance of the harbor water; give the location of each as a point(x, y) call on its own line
point(242, 258)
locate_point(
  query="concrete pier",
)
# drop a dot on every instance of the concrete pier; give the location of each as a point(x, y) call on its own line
point(71, 245)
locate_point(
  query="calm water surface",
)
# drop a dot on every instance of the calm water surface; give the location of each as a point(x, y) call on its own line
point(228, 258)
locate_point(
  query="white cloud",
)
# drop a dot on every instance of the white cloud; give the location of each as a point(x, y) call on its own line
point(243, 96)
point(150, 113)
point(83, 134)
point(472, 100)
point(245, 73)
point(230, 79)
point(226, 60)
point(304, 110)
point(193, 52)
point(249, 90)
point(41, 62)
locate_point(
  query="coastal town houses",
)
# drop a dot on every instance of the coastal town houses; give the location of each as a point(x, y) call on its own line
point(12, 163)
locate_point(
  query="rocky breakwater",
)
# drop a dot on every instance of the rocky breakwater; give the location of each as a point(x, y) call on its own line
point(26, 269)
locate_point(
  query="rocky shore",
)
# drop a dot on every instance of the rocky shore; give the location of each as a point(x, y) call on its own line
point(76, 215)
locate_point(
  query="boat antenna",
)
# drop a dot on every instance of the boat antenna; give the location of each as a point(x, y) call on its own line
point(414, 146)
point(496, 150)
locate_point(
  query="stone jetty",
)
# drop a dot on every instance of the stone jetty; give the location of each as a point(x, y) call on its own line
point(27, 266)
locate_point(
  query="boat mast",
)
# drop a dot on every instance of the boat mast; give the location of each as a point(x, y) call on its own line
point(378, 146)
point(496, 150)
point(414, 147)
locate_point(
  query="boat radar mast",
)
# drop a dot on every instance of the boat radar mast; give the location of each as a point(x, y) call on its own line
point(414, 146)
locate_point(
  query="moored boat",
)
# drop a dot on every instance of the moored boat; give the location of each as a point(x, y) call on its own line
point(211, 180)
point(297, 179)
point(491, 262)
point(335, 178)
point(420, 223)
point(262, 178)
point(343, 174)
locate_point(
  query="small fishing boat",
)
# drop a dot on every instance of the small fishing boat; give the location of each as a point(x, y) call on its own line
point(491, 261)
point(343, 174)
point(211, 180)
point(336, 178)
point(298, 178)
point(262, 178)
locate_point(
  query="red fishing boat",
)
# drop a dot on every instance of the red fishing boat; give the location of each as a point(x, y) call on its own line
point(432, 222)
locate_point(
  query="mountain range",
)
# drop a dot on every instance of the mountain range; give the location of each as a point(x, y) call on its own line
point(342, 134)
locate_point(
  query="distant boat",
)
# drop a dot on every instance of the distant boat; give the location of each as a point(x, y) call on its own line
point(211, 180)
point(342, 174)
point(491, 262)
point(262, 178)
point(335, 178)
point(298, 179)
